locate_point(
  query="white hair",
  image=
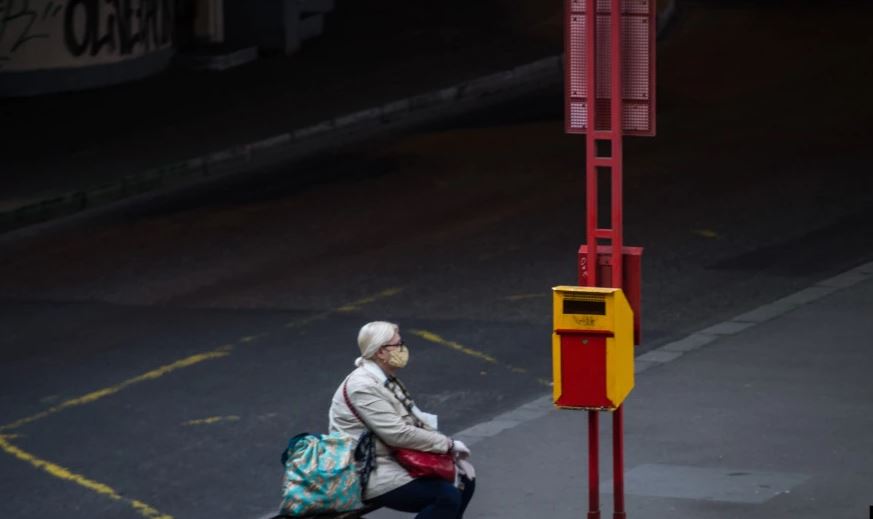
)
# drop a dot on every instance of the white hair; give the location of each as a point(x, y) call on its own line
point(374, 335)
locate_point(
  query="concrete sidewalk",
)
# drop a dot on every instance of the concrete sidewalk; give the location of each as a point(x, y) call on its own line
point(767, 415)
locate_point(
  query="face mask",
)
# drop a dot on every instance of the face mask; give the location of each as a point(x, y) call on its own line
point(398, 358)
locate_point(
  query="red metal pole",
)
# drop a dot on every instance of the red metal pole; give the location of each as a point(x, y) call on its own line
point(616, 112)
point(616, 109)
point(591, 203)
point(591, 228)
point(618, 463)
point(593, 465)
point(590, 138)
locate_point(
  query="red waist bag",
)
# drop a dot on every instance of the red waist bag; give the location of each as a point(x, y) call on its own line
point(422, 464)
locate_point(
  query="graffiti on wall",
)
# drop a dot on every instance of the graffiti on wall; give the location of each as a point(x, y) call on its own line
point(45, 34)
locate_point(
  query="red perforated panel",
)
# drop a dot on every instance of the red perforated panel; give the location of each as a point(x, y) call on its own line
point(638, 67)
point(578, 85)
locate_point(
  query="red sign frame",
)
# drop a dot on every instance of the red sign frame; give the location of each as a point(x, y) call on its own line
point(638, 66)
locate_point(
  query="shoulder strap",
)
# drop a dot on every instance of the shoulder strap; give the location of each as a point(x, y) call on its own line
point(349, 403)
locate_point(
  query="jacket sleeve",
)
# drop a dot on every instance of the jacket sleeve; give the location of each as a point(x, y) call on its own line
point(381, 418)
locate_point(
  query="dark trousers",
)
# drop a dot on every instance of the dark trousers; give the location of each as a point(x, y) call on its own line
point(429, 498)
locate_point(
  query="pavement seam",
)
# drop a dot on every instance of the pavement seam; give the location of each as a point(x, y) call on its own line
point(213, 165)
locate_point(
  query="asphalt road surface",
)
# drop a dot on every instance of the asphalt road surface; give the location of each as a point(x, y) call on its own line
point(155, 356)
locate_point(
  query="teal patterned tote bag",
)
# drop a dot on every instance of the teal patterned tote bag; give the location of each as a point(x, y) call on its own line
point(320, 475)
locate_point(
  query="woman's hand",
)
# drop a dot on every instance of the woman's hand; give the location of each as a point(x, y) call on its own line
point(459, 450)
point(466, 469)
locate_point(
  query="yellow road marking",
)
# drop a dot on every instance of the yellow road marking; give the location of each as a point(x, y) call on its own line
point(367, 300)
point(100, 488)
point(436, 339)
point(100, 393)
point(252, 338)
point(706, 233)
point(67, 475)
point(306, 320)
point(211, 420)
point(222, 351)
point(350, 307)
point(432, 337)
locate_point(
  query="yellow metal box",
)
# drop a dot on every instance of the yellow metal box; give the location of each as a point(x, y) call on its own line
point(592, 347)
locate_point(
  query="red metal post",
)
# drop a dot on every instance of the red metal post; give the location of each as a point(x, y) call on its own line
point(631, 111)
point(611, 134)
point(615, 127)
point(591, 228)
point(593, 465)
point(590, 137)
point(618, 463)
point(616, 111)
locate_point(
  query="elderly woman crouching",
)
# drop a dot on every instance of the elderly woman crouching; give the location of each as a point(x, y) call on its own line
point(386, 409)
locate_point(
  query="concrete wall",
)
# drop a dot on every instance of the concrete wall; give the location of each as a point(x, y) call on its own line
point(57, 45)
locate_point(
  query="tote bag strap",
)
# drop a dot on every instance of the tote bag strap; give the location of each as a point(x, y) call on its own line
point(366, 449)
